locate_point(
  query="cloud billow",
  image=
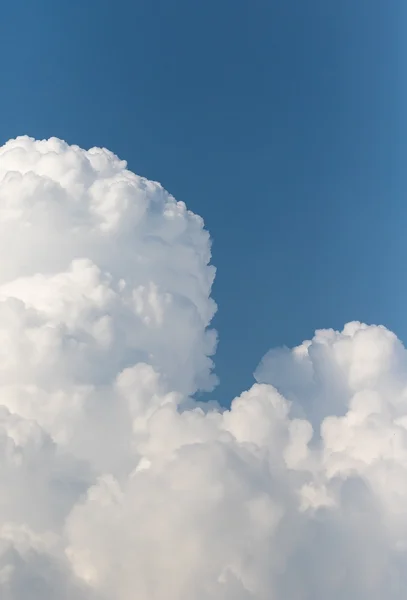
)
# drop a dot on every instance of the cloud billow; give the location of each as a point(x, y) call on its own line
point(114, 483)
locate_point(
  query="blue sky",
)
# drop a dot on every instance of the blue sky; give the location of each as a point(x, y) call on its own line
point(281, 122)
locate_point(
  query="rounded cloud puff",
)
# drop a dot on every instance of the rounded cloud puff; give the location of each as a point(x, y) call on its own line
point(114, 483)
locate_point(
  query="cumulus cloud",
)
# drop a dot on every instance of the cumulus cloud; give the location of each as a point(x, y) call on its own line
point(114, 483)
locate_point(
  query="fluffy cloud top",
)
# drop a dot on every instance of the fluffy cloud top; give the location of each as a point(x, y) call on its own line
point(114, 483)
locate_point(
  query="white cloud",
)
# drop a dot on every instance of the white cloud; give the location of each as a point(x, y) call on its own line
point(114, 483)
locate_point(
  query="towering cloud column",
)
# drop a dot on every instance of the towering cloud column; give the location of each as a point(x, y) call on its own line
point(114, 483)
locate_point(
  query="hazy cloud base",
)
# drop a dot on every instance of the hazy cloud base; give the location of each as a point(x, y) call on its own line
point(114, 483)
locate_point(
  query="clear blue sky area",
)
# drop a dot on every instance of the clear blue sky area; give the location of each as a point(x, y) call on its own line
point(281, 122)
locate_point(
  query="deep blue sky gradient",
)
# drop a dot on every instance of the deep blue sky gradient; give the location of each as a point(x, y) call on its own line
point(281, 122)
